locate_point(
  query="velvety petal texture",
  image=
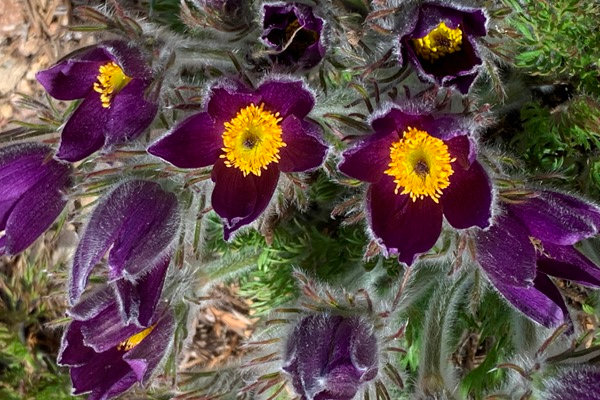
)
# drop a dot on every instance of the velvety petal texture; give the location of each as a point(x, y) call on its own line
point(138, 221)
point(33, 188)
point(457, 68)
point(106, 356)
point(330, 357)
point(407, 224)
point(580, 381)
point(100, 122)
point(294, 34)
point(237, 114)
point(533, 239)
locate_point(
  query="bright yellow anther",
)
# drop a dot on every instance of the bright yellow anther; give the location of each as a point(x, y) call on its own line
point(111, 80)
point(420, 165)
point(438, 43)
point(252, 139)
point(135, 339)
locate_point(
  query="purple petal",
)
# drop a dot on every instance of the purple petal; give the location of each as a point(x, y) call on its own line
point(71, 79)
point(83, 134)
point(506, 254)
point(408, 227)
point(73, 351)
point(304, 150)
point(93, 303)
point(579, 381)
point(129, 113)
point(194, 143)
point(138, 300)
point(37, 209)
point(139, 219)
point(566, 262)
point(130, 58)
point(468, 200)
point(286, 98)
point(367, 160)
point(240, 199)
point(144, 358)
point(558, 218)
point(106, 330)
point(541, 302)
point(226, 102)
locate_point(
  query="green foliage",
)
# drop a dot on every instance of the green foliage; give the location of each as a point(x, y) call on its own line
point(559, 39)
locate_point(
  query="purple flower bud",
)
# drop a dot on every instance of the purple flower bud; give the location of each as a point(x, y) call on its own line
point(329, 357)
point(581, 382)
point(111, 78)
point(440, 43)
point(294, 34)
point(137, 221)
point(32, 194)
point(106, 356)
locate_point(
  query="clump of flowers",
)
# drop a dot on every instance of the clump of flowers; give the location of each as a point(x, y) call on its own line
point(248, 137)
point(420, 168)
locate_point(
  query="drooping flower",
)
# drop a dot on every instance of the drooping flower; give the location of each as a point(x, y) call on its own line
point(294, 34)
point(440, 42)
point(32, 194)
point(249, 137)
point(329, 357)
point(111, 78)
point(137, 221)
point(419, 169)
point(107, 356)
point(533, 240)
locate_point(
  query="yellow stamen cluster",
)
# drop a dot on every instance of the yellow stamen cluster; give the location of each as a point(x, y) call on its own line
point(438, 43)
point(252, 139)
point(111, 80)
point(135, 339)
point(420, 165)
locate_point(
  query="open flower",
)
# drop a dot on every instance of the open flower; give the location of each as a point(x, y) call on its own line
point(419, 168)
point(440, 42)
point(249, 137)
point(32, 194)
point(107, 356)
point(137, 221)
point(293, 32)
point(111, 78)
point(329, 357)
point(533, 240)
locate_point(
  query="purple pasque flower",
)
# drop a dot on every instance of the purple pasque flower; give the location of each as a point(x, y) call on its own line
point(137, 221)
point(329, 357)
point(420, 168)
point(440, 42)
point(32, 194)
point(578, 381)
point(107, 356)
point(294, 34)
point(532, 240)
point(111, 78)
point(249, 137)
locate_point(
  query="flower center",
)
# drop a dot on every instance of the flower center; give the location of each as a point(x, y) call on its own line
point(420, 165)
point(111, 80)
point(252, 140)
point(135, 339)
point(438, 43)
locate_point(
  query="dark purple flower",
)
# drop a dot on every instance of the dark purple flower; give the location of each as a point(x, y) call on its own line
point(581, 382)
point(137, 221)
point(32, 194)
point(111, 78)
point(420, 168)
point(294, 34)
point(107, 356)
point(249, 137)
point(329, 357)
point(533, 240)
point(440, 42)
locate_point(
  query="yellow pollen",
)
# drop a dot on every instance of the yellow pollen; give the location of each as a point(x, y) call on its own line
point(252, 139)
point(438, 43)
point(420, 165)
point(135, 339)
point(111, 80)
